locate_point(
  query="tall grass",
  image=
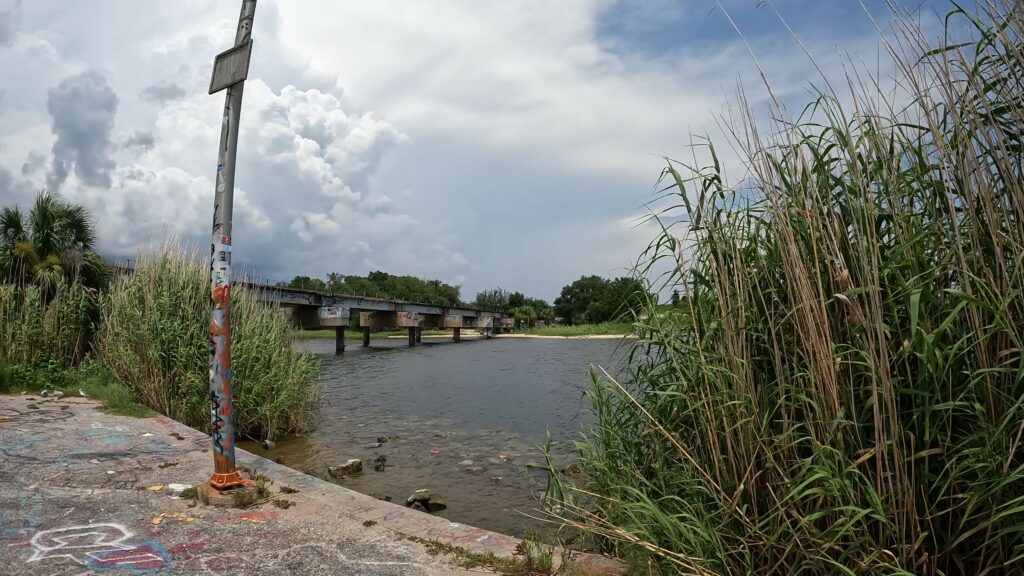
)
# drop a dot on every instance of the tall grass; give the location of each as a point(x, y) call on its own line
point(55, 330)
point(155, 339)
point(841, 390)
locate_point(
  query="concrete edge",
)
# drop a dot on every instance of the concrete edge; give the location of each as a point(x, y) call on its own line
point(395, 517)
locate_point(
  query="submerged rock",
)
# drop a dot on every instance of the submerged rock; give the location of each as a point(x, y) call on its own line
point(421, 495)
point(425, 501)
point(474, 470)
point(352, 466)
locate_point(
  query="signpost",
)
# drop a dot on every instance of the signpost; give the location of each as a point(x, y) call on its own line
point(229, 72)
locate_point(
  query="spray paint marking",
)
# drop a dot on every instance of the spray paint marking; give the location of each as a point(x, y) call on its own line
point(142, 558)
point(99, 546)
point(217, 423)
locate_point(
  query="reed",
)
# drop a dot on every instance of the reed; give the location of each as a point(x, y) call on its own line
point(155, 339)
point(840, 390)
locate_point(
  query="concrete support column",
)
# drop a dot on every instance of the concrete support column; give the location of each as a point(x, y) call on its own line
point(366, 336)
point(339, 339)
point(419, 335)
point(412, 337)
point(457, 334)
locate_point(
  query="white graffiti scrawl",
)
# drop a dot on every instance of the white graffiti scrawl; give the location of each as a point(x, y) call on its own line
point(97, 546)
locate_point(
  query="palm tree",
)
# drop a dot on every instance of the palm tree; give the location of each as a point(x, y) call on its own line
point(53, 241)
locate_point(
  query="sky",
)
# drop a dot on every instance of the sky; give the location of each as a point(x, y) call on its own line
point(485, 144)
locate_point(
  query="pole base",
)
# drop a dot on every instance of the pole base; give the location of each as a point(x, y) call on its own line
point(225, 481)
point(238, 496)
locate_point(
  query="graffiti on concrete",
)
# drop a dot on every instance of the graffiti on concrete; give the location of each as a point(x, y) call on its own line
point(97, 546)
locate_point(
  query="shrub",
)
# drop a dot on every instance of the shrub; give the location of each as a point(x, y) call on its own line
point(155, 339)
point(37, 331)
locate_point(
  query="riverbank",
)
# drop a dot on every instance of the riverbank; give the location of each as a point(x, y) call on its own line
point(356, 334)
point(83, 489)
point(607, 330)
point(527, 335)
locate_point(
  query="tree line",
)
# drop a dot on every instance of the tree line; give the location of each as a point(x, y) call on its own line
point(588, 300)
point(380, 284)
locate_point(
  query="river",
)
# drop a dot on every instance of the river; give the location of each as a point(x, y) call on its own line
point(465, 421)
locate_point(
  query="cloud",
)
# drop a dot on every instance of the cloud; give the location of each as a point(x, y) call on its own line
point(82, 107)
point(9, 17)
point(33, 163)
point(139, 140)
point(163, 92)
point(478, 143)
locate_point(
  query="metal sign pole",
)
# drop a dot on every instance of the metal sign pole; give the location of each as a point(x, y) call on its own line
point(222, 411)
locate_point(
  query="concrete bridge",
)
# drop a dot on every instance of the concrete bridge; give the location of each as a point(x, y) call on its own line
point(312, 310)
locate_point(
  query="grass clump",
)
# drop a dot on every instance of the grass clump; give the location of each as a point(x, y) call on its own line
point(840, 390)
point(154, 338)
point(532, 558)
point(92, 380)
point(51, 327)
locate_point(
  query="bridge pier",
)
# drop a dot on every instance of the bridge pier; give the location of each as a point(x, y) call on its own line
point(339, 339)
point(457, 335)
point(366, 336)
point(412, 337)
point(419, 335)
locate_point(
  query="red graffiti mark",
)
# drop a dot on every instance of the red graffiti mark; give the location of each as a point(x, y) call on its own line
point(187, 550)
point(144, 557)
point(220, 293)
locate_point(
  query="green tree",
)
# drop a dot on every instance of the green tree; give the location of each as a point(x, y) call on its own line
point(307, 283)
point(53, 241)
point(593, 299)
point(579, 302)
point(524, 315)
point(496, 298)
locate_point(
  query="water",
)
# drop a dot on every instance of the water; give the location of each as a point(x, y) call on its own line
point(465, 421)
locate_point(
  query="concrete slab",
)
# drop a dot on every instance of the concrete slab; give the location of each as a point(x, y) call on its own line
point(83, 492)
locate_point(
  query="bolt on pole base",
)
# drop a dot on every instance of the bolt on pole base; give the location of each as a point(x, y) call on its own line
point(239, 496)
point(228, 480)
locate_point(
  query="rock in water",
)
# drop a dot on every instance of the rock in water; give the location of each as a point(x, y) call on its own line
point(379, 463)
point(58, 394)
point(421, 495)
point(436, 504)
point(44, 393)
point(424, 501)
point(353, 466)
point(268, 444)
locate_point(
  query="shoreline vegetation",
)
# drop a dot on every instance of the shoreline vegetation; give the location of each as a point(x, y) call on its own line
point(142, 340)
point(840, 389)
